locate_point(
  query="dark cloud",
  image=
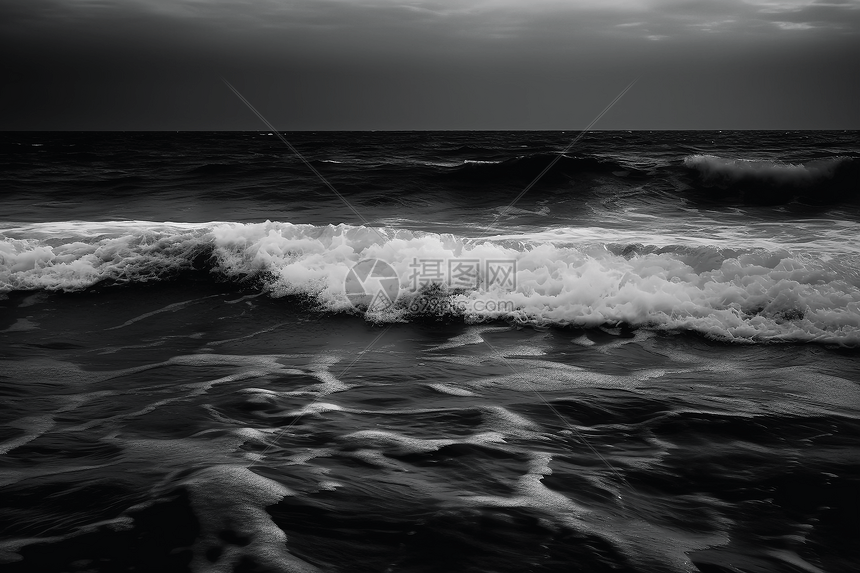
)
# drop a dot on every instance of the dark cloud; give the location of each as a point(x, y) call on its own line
point(330, 64)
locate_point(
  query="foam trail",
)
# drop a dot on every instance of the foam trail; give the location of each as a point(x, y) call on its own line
point(169, 308)
point(33, 426)
point(231, 498)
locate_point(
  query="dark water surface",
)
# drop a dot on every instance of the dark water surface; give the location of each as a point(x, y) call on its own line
point(670, 382)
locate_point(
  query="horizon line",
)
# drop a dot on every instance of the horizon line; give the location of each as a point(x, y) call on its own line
point(487, 130)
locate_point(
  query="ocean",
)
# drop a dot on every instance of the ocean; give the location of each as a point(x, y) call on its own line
point(430, 358)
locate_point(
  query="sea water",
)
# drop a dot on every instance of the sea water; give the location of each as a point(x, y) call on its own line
point(646, 363)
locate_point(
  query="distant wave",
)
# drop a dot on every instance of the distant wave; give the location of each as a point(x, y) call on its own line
point(819, 181)
point(754, 295)
point(724, 180)
point(473, 150)
point(526, 167)
point(469, 167)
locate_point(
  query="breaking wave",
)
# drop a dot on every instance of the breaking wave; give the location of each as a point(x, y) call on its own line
point(746, 295)
point(818, 181)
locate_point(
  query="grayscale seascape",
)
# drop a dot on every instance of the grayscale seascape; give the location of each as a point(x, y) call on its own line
point(482, 286)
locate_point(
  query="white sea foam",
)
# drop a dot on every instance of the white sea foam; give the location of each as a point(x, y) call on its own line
point(452, 390)
point(583, 341)
point(399, 444)
point(232, 498)
point(644, 543)
point(751, 295)
point(471, 336)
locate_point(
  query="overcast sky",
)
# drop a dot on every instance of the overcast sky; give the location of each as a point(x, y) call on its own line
point(430, 64)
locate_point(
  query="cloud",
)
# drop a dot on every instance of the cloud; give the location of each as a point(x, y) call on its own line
point(794, 25)
point(479, 19)
point(426, 63)
point(780, 6)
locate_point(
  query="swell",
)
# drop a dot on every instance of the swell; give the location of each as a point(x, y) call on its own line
point(740, 294)
point(823, 181)
point(658, 167)
point(817, 182)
